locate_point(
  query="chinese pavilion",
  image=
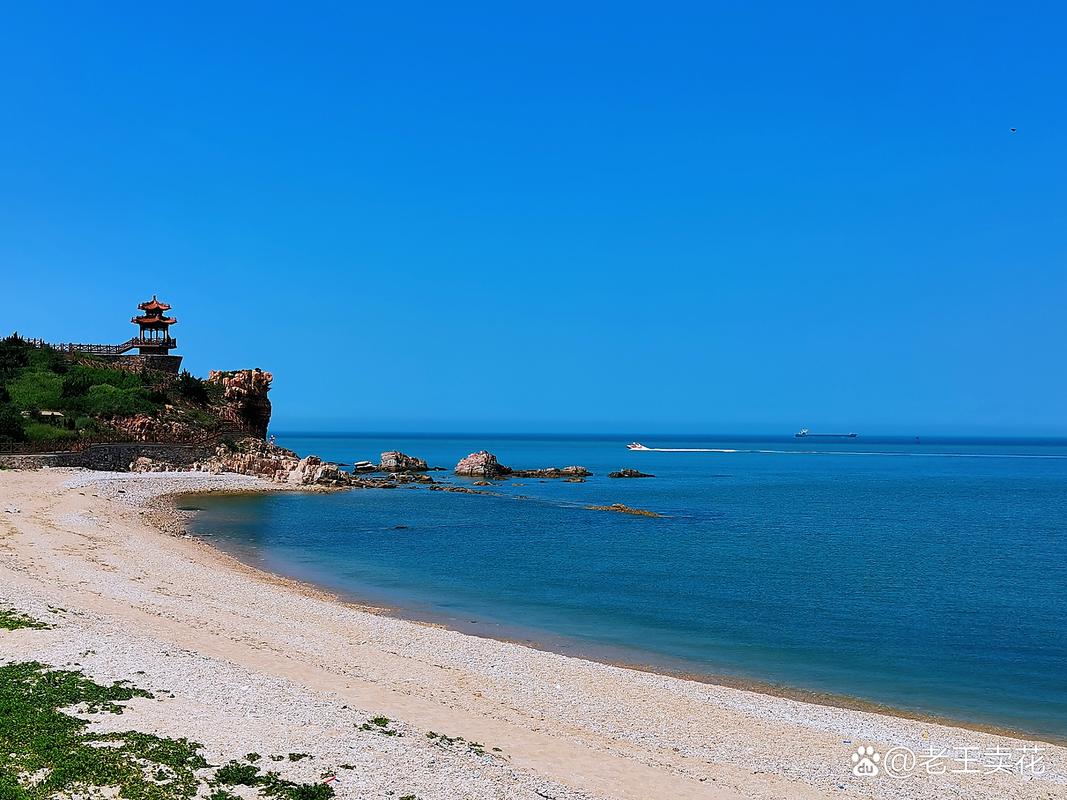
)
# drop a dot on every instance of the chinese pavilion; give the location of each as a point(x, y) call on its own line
point(154, 338)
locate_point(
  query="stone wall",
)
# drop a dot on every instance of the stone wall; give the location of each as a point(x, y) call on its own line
point(111, 457)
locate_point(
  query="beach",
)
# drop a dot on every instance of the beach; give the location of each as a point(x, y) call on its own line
point(258, 663)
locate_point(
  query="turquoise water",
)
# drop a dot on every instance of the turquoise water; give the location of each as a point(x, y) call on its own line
point(930, 577)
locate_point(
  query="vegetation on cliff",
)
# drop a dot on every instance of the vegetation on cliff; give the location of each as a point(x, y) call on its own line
point(48, 396)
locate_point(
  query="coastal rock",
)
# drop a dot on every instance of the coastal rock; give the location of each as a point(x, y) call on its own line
point(145, 428)
point(482, 464)
point(552, 472)
point(262, 459)
point(629, 473)
point(244, 392)
point(394, 461)
point(146, 464)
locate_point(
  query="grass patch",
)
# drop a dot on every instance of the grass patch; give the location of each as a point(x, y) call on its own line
point(12, 620)
point(38, 739)
point(380, 725)
point(46, 752)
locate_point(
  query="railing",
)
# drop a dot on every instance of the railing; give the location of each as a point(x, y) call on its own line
point(106, 349)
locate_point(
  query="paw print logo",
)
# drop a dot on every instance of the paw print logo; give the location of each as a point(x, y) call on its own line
point(865, 762)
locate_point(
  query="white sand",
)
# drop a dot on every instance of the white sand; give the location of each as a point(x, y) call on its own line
point(260, 664)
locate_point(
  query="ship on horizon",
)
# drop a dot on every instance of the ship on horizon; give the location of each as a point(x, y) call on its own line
point(804, 433)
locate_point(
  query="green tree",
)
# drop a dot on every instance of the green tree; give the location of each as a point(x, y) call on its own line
point(12, 424)
point(191, 388)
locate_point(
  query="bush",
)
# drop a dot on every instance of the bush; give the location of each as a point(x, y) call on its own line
point(40, 432)
point(47, 359)
point(86, 424)
point(36, 390)
point(106, 400)
point(80, 379)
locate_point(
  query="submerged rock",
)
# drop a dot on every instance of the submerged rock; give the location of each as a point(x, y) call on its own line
point(623, 509)
point(629, 473)
point(552, 472)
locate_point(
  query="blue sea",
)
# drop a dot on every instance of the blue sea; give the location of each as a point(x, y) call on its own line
point(928, 576)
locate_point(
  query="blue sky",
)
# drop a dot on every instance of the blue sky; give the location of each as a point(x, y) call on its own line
point(578, 217)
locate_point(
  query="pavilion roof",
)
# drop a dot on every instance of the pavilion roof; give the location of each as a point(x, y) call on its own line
point(153, 320)
point(154, 305)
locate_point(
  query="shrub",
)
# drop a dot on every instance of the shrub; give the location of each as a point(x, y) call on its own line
point(86, 424)
point(80, 379)
point(105, 400)
point(40, 432)
point(36, 390)
point(45, 358)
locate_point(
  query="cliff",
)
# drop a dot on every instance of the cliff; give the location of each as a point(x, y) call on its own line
point(52, 400)
point(244, 394)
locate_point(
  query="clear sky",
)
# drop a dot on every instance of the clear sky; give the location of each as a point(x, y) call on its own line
point(714, 216)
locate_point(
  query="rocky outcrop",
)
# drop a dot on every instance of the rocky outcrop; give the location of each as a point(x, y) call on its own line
point(262, 459)
point(146, 464)
point(482, 464)
point(244, 393)
point(145, 428)
point(395, 461)
point(552, 472)
point(254, 457)
point(629, 473)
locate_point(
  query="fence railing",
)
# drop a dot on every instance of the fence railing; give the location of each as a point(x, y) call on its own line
point(105, 349)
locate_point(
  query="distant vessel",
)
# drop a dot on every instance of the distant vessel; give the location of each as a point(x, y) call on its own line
point(636, 446)
point(805, 433)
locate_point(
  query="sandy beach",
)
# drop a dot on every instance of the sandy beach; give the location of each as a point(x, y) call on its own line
point(255, 663)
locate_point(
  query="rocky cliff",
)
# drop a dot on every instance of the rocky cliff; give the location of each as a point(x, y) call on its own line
point(244, 393)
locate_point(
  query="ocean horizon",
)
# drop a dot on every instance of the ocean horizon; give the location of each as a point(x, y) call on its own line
point(817, 565)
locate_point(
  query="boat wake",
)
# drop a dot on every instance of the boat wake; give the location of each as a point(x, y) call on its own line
point(638, 447)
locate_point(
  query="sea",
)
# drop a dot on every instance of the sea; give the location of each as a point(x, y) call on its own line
point(929, 576)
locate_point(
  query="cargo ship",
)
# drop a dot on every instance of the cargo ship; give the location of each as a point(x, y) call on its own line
point(804, 433)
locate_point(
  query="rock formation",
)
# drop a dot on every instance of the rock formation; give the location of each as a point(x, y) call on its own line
point(482, 464)
point(245, 394)
point(629, 473)
point(146, 428)
point(394, 461)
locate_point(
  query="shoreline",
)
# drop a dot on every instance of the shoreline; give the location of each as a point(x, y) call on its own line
point(557, 644)
point(568, 727)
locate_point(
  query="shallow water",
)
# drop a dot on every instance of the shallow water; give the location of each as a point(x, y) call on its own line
point(928, 576)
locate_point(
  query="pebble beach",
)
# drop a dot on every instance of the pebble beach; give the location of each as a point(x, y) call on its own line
point(243, 661)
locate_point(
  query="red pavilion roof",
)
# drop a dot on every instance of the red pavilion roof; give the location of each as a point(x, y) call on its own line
point(154, 305)
point(151, 320)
